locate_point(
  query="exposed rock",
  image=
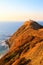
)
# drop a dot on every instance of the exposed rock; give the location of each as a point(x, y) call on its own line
point(26, 46)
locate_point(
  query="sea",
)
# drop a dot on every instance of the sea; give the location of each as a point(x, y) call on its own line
point(6, 30)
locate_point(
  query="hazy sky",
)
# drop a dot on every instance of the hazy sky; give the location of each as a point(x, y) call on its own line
point(20, 10)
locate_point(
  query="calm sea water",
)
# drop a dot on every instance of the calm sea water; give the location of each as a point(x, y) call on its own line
point(6, 29)
point(9, 27)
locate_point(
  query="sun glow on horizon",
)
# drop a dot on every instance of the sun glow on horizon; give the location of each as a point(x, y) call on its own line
point(17, 10)
point(20, 17)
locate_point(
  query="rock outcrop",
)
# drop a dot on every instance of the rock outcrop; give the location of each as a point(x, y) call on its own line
point(26, 46)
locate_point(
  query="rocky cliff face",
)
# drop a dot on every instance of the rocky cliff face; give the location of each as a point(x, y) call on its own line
point(26, 46)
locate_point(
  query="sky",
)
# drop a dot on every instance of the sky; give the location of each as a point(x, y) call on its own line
point(21, 10)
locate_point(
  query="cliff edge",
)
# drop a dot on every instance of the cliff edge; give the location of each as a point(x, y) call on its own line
point(26, 46)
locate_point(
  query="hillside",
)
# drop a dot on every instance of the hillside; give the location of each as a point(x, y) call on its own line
point(26, 46)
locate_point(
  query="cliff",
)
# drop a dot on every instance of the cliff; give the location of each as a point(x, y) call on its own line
point(26, 46)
